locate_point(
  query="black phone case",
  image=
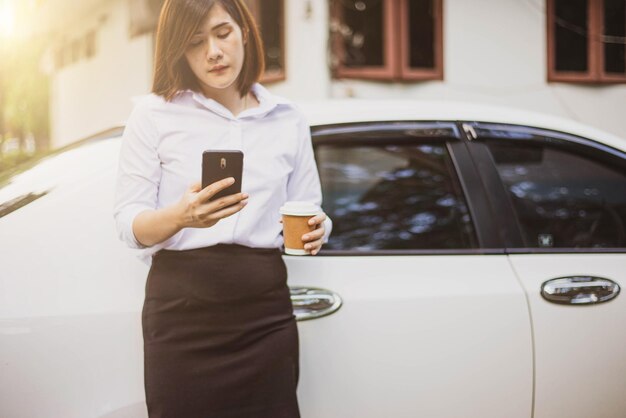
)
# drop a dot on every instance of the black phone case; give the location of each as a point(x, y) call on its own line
point(220, 164)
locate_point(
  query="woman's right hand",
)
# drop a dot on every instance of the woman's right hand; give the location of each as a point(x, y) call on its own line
point(196, 211)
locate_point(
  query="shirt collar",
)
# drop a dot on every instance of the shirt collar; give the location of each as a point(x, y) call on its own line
point(267, 103)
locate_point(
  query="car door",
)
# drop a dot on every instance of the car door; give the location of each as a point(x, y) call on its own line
point(568, 248)
point(70, 293)
point(412, 308)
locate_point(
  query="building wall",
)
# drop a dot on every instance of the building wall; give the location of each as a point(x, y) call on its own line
point(308, 75)
point(494, 53)
point(94, 95)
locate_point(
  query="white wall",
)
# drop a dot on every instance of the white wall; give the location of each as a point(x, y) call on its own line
point(494, 52)
point(306, 36)
point(94, 95)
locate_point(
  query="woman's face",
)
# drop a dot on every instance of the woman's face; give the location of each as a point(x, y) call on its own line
point(215, 53)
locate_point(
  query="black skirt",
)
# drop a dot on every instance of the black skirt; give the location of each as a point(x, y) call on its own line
point(220, 337)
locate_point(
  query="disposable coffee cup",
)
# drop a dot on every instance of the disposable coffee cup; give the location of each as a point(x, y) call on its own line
point(296, 215)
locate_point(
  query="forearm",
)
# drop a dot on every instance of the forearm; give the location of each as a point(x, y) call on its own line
point(154, 226)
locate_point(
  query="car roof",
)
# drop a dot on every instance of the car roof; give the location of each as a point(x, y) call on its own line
point(341, 111)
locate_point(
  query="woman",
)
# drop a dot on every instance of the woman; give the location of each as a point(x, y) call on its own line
point(220, 338)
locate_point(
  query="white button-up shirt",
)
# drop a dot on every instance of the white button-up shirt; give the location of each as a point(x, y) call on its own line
point(161, 156)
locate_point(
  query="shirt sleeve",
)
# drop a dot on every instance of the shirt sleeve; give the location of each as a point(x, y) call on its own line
point(139, 173)
point(304, 182)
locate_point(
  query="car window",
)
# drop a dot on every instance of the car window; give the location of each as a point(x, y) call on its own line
point(393, 197)
point(563, 198)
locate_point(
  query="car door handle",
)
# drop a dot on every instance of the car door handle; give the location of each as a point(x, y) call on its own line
point(312, 302)
point(579, 290)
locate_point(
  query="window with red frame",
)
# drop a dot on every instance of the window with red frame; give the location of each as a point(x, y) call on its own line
point(396, 40)
point(270, 16)
point(587, 41)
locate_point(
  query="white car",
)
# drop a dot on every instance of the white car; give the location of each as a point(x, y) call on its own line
point(474, 270)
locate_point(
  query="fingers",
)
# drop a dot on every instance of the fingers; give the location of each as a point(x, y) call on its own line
point(196, 187)
point(317, 219)
point(213, 188)
point(313, 235)
point(314, 246)
point(225, 206)
point(313, 240)
point(224, 202)
point(228, 211)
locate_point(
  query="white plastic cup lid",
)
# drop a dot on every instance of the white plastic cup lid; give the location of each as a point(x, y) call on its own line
point(299, 208)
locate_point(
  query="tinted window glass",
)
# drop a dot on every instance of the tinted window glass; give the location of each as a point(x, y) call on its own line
point(363, 32)
point(570, 26)
point(271, 21)
point(562, 199)
point(614, 27)
point(393, 197)
point(422, 33)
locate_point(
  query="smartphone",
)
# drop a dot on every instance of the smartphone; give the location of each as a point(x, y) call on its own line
point(220, 164)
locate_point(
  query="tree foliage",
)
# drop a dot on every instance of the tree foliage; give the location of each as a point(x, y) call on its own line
point(24, 97)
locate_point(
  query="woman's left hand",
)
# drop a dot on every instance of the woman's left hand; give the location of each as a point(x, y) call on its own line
point(313, 240)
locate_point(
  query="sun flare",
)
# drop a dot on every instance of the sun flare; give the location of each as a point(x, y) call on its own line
point(7, 19)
